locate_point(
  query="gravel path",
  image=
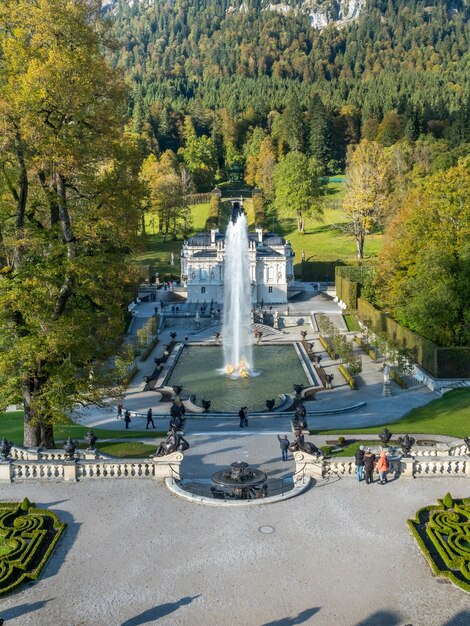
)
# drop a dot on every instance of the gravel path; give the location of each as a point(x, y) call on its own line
point(340, 555)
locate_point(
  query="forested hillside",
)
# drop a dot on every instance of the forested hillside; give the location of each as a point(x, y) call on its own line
point(202, 55)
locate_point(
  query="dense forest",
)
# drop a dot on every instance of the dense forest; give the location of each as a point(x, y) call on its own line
point(198, 57)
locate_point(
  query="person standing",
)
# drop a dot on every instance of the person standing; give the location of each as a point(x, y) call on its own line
point(245, 416)
point(383, 466)
point(359, 462)
point(119, 410)
point(149, 419)
point(241, 415)
point(369, 463)
point(284, 444)
point(127, 417)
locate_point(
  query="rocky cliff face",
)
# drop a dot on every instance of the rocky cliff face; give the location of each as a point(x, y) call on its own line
point(323, 12)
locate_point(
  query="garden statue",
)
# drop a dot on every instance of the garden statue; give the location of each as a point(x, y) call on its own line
point(387, 386)
point(385, 436)
point(5, 449)
point(299, 444)
point(270, 404)
point(173, 336)
point(303, 334)
point(173, 443)
point(177, 416)
point(91, 439)
point(406, 443)
point(298, 390)
point(299, 420)
point(177, 389)
point(206, 405)
point(69, 447)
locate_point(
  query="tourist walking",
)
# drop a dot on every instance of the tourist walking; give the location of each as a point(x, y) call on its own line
point(284, 444)
point(119, 410)
point(369, 463)
point(359, 463)
point(243, 415)
point(383, 466)
point(149, 419)
point(127, 417)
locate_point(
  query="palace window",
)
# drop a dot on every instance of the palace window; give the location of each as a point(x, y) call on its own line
point(270, 289)
point(203, 290)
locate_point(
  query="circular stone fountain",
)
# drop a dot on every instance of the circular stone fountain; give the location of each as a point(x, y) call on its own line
point(240, 482)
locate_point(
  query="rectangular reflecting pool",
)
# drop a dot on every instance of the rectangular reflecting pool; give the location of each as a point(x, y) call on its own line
point(277, 369)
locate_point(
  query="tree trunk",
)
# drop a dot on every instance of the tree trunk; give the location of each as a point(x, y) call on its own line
point(22, 199)
point(37, 434)
point(142, 224)
point(360, 246)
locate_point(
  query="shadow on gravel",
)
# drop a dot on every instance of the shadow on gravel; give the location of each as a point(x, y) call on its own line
point(382, 618)
point(158, 611)
point(22, 609)
point(301, 618)
point(460, 619)
point(64, 544)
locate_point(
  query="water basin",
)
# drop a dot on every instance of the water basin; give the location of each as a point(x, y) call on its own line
point(276, 369)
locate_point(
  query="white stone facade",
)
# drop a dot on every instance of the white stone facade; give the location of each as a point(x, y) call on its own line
point(271, 267)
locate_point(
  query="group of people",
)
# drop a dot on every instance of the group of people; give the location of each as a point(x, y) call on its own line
point(366, 461)
point(127, 416)
point(243, 415)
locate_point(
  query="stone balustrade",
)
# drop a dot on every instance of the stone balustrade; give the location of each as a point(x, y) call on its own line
point(76, 469)
point(415, 467)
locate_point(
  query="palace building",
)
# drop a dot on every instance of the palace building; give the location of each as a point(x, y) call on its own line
point(271, 267)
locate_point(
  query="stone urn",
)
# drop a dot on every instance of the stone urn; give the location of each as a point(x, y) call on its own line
point(5, 449)
point(69, 448)
point(406, 443)
point(206, 405)
point(91, 439)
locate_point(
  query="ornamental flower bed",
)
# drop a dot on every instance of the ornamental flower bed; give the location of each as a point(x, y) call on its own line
point(443, 534)
point(27, 539)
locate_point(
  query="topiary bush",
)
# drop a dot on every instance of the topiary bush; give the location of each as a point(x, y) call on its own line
point(28, 537)
point(442, 533)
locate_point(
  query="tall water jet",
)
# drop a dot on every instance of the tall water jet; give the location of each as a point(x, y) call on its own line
point(238, 351)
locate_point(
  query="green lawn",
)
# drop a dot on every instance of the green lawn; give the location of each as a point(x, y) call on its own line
point(449, 415)
point(157, 253)
point(11, 427)
point(129, 449)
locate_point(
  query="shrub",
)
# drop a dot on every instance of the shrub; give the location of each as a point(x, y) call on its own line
point(341, 441)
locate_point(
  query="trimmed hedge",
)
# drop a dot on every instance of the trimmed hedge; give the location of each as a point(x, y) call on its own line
point(32, 534)
point(214, 212)
point(441, 533)
point(400, 380)
point(347, 377)
point(439, 362)
point(332, 354)
point(368, 349)
point(145, 354)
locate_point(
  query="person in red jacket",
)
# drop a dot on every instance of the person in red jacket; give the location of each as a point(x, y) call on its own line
point(382, 466)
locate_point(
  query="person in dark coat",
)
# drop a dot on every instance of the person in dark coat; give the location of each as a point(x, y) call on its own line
point(369, 463)
point(359, 462)
point(119, 410)
point(284, 444)
point(127, 417)
point(241, 415)
point(149, 419)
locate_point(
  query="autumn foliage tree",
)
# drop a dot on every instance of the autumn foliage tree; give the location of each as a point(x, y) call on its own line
point(423, 274)
point(70, 197)
point(366, 191)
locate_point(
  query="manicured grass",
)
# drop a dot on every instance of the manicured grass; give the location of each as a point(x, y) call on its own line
point(157, 252)
point(11, 427)
point(449, 415)
point(351, 322)
point(128, 449)
point(351, 448)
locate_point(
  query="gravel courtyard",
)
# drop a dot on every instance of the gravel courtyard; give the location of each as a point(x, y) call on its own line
point(340, 555)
